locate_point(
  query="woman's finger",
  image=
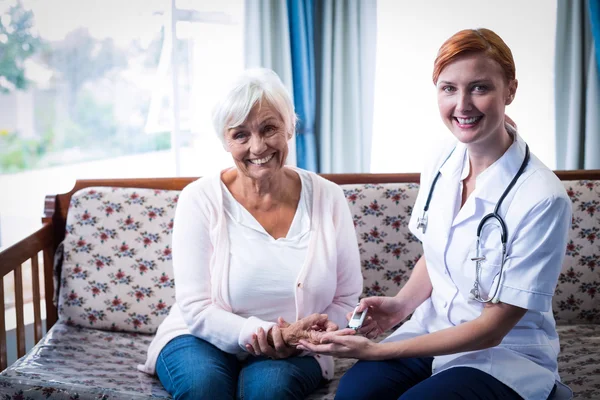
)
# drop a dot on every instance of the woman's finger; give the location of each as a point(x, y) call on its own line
point(255, 346)
point(278, 343)
point(331, 326)
point(250, 349)
point(282, 322)
point(313, 319)
point(265, 347)
point(314, 336)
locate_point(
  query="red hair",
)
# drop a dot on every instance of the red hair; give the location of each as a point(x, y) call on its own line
point(475, 41)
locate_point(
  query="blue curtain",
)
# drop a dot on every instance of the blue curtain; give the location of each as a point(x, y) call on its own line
point(345, 42)
point(303, 76)
point(577, 85)
point(595, 22)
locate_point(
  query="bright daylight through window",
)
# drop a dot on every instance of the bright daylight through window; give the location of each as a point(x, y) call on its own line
point(87, 90)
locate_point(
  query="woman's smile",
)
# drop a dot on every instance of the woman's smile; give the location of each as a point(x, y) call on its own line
point(261, 161)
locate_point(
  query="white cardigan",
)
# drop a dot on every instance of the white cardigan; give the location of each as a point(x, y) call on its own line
point(329, 282)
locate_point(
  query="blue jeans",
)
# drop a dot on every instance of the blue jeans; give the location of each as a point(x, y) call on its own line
point(411, 379)
point(192, 368)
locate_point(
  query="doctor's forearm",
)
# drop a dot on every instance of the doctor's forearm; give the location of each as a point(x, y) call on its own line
point(470, 336)
point(417, 289)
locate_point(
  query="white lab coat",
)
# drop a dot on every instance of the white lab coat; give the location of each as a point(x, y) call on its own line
point(537, 213)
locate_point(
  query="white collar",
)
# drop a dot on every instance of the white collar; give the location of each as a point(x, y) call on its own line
point(492, 182)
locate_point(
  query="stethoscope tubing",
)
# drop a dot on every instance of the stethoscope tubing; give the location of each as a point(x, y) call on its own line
point(422, 224)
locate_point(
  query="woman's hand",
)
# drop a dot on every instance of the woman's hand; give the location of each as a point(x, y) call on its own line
point(309, 328)
point(343, 343)
point(271, 343)
point(384, 313)
point(281, 340)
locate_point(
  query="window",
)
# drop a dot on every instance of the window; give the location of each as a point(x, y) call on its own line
point(87, 90)
point(406, 118)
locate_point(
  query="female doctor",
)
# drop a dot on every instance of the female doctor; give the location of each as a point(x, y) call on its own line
point(493, 221)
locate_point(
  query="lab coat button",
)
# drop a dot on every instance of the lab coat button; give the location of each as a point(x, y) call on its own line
point(299, 285)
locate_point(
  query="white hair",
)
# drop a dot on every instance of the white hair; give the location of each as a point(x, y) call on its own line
point(251, 87)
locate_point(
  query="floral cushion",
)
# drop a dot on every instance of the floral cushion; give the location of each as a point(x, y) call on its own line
point(85, 364)
point(117, 272)
point(388, 250)
point(577, 296)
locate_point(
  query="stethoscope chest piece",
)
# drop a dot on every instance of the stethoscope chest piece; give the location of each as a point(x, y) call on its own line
point(422, 222)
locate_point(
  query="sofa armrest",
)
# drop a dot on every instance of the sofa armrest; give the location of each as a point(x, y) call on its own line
point(11, 260)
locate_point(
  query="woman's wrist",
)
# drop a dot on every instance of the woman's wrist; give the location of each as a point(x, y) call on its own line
point(289, 338)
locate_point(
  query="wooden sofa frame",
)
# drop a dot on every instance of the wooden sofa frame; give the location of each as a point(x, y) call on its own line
point(47, 238)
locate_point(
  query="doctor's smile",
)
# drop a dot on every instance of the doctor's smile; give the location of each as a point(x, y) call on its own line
point(467, 122)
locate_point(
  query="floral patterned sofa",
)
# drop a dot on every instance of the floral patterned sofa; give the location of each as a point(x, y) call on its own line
point(116, 285)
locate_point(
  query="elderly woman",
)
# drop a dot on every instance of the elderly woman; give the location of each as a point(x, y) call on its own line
point(257, 245)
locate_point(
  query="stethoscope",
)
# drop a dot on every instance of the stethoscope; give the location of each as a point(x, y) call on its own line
point(475, 293)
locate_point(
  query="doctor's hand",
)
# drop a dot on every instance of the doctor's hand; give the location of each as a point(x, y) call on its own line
point(344, 343)
point(384, 313)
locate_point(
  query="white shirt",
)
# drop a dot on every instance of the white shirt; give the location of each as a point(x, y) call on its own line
point(329, 281)
point(256, 257)
point(537, 213)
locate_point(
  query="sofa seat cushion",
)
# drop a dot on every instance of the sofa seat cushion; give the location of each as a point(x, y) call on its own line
point(579, 359)
point(81, 363)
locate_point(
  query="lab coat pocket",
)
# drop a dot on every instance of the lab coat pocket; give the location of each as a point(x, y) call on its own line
point(532, 344)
